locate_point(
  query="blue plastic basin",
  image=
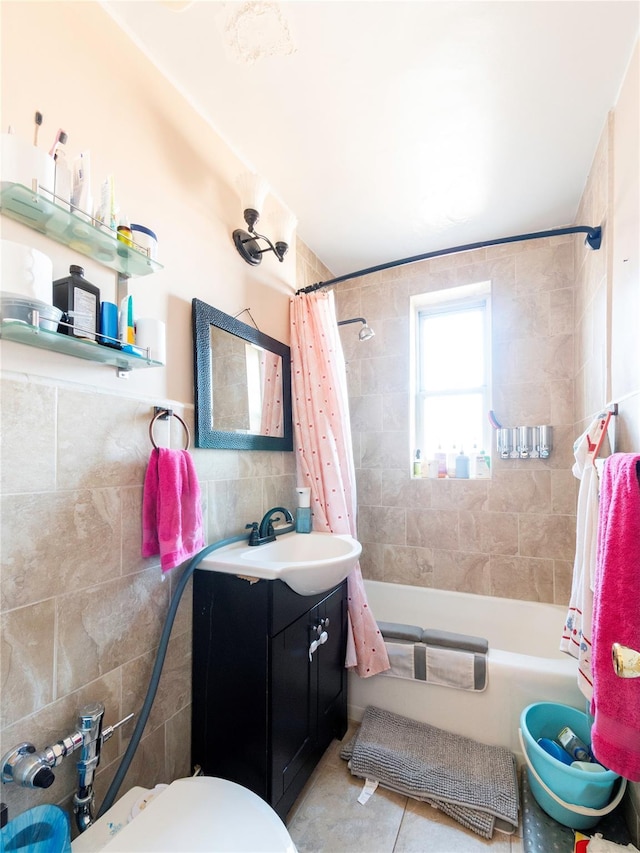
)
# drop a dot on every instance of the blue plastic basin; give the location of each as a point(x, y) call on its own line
point(575, 787)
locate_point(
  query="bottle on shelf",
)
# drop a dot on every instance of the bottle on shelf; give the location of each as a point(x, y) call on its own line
point(79, 301)
point(480, 468)
point(462, 466)
point(417, 465)
point(124, 233)
point(441, 459)
point(451, 461)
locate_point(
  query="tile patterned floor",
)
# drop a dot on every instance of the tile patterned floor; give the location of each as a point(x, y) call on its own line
point(327, 818)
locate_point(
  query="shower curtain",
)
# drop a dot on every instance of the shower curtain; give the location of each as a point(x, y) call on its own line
point(272, 417)
point(324, 455)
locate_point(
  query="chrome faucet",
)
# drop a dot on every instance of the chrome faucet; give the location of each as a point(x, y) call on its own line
point(31, 769)
point(265, 532)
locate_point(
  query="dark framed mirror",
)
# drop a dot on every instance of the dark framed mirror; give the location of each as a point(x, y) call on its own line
point(242, 381)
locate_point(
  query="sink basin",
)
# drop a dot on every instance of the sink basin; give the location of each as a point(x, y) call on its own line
point(309, 563)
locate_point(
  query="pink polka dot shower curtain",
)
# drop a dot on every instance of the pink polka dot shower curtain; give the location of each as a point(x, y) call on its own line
point(272, 421)
point(324, 454)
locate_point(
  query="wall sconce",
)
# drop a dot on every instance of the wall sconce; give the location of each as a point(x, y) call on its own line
point(365, 333)
point(253, 192)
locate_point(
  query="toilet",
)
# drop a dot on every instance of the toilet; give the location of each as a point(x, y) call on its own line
point(201, 813)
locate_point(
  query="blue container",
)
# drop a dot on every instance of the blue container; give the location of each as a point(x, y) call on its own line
point(574, 797)
point(42, 829)
point(555, 750)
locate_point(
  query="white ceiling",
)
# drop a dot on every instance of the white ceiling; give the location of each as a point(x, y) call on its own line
point(393, 128)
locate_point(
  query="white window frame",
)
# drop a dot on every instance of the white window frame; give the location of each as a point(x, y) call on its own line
point(449, 300)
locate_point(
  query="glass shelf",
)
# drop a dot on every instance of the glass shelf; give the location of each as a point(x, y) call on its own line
point(88, 238)
point(23, 333)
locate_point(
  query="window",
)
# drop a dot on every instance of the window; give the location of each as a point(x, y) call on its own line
point(451, 391)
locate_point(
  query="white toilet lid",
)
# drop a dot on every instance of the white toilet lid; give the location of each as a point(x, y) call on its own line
point(204, 814)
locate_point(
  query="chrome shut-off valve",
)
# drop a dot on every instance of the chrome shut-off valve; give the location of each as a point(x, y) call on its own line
point(30, 768)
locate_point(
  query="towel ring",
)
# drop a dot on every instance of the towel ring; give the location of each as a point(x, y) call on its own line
point(165, 413)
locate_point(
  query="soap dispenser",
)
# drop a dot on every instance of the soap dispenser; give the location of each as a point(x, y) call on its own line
point(303, 513)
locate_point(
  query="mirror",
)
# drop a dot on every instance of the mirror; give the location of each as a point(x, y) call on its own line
point(242, 384)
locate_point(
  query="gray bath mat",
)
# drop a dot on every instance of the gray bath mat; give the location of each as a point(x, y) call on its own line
point(472, 782)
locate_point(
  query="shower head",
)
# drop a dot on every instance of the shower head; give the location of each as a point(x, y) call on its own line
point(366, 332)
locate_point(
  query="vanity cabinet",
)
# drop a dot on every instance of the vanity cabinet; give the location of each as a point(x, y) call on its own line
point(265, 704)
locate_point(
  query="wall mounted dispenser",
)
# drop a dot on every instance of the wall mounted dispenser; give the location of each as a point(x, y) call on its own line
point(524, 442)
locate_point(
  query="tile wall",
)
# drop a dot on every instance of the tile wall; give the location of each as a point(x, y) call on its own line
point(81, 611)
point(514, 535)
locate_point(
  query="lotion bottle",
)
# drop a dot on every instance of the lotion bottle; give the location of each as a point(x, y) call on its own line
point(303, 513)
point(462, 466)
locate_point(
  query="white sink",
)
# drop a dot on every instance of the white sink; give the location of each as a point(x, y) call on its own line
point(307, 562)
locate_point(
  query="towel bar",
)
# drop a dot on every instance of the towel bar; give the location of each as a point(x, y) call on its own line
point(164, 414)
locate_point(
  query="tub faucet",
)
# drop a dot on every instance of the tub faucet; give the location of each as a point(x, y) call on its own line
point(264, 532)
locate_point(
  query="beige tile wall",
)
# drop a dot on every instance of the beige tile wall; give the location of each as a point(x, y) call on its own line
point(511, 536)
point(81, 610)
point(593, 344)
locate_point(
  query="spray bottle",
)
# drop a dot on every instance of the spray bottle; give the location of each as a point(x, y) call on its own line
point(303, 513)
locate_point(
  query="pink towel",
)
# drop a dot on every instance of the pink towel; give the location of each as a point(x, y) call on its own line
point(615, 736)
point(171, 510)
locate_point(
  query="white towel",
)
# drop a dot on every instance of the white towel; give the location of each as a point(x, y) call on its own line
point(576, 635)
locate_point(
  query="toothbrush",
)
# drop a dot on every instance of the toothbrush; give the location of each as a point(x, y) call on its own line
point(61, 138)
point(38, 120)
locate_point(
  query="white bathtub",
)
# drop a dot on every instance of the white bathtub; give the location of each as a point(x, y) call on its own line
point(524, 665)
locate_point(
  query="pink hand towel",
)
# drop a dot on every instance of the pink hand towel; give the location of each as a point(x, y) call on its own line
point(615, 736)
point(171, 511)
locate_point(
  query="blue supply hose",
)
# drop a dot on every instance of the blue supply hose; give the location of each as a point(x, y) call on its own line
point(157, 671)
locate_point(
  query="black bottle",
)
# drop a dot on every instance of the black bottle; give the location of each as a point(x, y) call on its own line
point(79, 301)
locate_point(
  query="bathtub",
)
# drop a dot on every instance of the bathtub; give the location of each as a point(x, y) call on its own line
point(524, 664)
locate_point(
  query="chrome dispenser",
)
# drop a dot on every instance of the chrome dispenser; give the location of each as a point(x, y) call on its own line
point(544, 441)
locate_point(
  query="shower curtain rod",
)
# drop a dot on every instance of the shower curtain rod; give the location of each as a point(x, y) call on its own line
point(593, 239)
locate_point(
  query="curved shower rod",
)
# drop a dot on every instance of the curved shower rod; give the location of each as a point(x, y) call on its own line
point(593, 239)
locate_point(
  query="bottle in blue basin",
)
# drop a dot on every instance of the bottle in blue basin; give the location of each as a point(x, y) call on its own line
point(570, 741)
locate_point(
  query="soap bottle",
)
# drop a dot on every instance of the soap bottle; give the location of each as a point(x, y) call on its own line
point(303, 513)
point(483, 463)
point(441, 459)
point(451, 461)
point(417, 465)
point(462, 466)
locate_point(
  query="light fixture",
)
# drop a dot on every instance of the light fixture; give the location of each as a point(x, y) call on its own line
point(253, 192)
point(365, 333)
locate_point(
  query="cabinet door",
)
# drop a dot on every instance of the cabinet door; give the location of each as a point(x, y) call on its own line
point(332, 683)
point(293, 703)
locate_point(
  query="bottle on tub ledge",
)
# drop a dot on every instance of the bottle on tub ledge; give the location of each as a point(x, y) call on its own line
point(303, 512)
point(462, 466)
point(441, 459)
point(451, 461)
point(480, 464)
